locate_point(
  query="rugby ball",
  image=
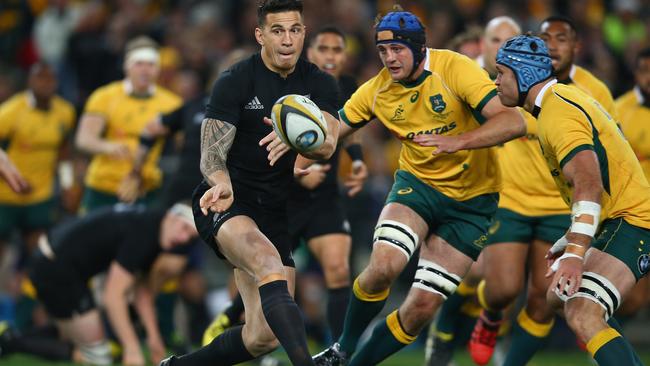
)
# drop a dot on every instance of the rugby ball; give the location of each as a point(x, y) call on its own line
point(299, 123)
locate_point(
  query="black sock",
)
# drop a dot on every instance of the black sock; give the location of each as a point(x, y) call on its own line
point(337, 305)
point(284, 318)
point(53, 349)
point(235, 310)
point(227, 349)
point(198, 319)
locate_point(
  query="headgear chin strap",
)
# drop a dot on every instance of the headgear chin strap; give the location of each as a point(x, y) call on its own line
point(405, 28)
point(527, 56)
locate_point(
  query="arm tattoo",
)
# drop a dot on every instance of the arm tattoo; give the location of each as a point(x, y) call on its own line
point(216, 139)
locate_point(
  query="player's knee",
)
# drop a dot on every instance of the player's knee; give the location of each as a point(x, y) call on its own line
point(266, 257)
point(501, 294)
point(379, 277)
point(583, 316)
point(337, 272)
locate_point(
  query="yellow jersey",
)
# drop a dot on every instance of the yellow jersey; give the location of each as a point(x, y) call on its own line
point(634, 115)
point(528, 188)
point(32, 138)
point(446, 99)
point(570, 121)
point(125, 116)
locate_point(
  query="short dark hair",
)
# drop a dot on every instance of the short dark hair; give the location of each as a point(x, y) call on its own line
point(563, 19)
point(328, 29)
point(644, 53)
point(276, 6)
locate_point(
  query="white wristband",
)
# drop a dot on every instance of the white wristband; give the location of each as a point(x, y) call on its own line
point(556, 264)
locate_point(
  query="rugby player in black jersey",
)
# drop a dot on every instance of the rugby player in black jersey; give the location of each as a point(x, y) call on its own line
point(124, 241)
point(240, 207)
point(315, 209)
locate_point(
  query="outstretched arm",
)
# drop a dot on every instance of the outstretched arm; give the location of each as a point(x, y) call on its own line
point(502, 124)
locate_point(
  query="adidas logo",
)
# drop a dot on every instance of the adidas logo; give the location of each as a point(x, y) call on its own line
point(254, 104)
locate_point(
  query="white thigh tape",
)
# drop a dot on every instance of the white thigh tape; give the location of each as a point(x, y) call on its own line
point(398, 235)
point(434, 278)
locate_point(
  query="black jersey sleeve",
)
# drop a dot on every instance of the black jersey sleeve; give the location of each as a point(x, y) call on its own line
point(325, 92)
point(174, 120)
point(226, 99)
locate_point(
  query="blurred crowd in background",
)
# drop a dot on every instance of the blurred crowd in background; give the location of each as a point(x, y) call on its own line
point(84, 42)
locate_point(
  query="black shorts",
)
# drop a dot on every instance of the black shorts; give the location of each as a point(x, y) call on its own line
point(60, 288)
point(272, 222)
point(311, 218)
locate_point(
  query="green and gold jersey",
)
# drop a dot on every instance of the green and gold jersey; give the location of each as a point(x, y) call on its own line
point(32, 138)
point(570, 121)
point(634, 115)
point(528, 188)
point(125, 116)
point(446, 99)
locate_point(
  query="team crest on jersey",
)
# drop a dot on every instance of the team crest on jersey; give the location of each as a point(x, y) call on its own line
point(644, 263)
point(437, 103)
point(399, 114)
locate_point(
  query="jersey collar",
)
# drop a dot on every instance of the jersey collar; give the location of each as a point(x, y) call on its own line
point(128, 89)
point(538, 100)
point(572, 74)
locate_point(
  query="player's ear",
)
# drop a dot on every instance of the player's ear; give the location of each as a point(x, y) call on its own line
point(258, 36)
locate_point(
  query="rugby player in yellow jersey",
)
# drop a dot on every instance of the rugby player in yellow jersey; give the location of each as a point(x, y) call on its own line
point(34, 126)
point(444, 203)
point(442, 339)
point(633, 110)
point(604, 252)
point(110, 127)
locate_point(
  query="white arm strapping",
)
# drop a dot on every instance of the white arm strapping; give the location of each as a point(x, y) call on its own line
point(585, 208)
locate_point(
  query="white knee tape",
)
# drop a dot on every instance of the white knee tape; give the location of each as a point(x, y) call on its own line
point(98, 353)
point(398, 235)
point(434, 278)
point(597, 289)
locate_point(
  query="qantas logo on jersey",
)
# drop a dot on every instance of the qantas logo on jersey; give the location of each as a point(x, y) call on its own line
point(254, 104)
point(437, 131)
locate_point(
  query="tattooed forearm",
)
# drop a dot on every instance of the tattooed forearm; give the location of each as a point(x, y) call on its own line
point(216, 140)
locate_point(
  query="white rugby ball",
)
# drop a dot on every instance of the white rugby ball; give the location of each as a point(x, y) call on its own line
point(299, 123)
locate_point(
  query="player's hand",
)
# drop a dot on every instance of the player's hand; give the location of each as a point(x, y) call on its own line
point(132, 356)
point(357, 178)
point(130, 188)
point(275, 146)
point(316, 176)
point(555, 251)
point(117, 150)
point(568, 276)
point(12, 176)
point(444, 144)
point(216, 199)
point(156, 349)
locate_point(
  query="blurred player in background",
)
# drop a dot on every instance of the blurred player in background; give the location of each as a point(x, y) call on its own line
point(448, 323)
point(35, 127)
point(468, 43)
point(126, 242)
point(633, 109)
point(239, 157)
point(113, 119)
point(422, 92)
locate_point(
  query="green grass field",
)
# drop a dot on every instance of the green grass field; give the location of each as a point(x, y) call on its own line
point(405, 358)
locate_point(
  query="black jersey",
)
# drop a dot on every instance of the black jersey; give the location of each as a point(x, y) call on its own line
point(123, 233)
point(347, 86)
point(242, 96)
point(188, 119)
